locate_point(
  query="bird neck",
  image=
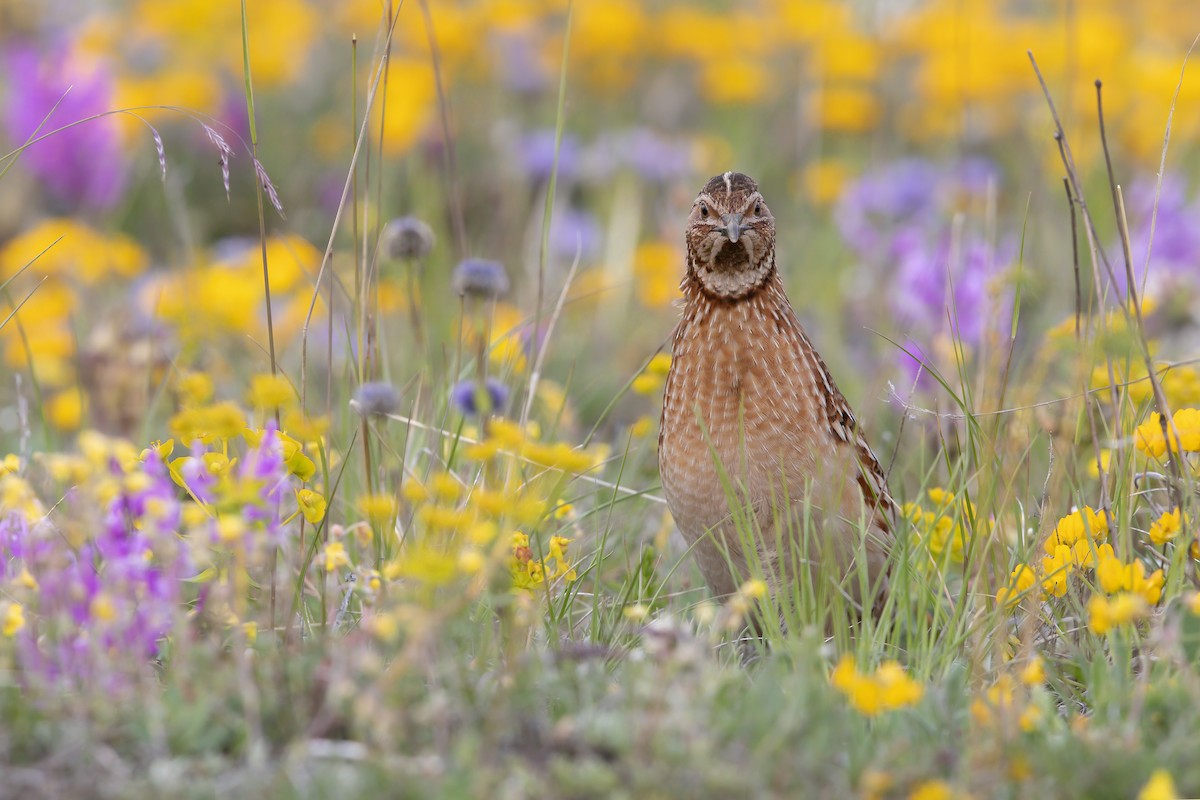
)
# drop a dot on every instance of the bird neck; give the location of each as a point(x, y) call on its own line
point(768, 291)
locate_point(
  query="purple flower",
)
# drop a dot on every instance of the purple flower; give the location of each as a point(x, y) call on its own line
point(900, 194)
point(653, 157)
point(536, 154)
point(468, 397)
point(521, 69)
point(376, 398)
point(83, 166)
point(1174, 252)
point(480, 278)
point(932, 293)
point(573, 231)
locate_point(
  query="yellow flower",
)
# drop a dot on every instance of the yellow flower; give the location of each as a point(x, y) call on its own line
point(845, 109)
point(641, 427)
point(1159, 787)
point(897, 689)
point(377, 507)
point(636, 612)
point(208, 423)
point(1056, 569)
point(753, 589)
point(888, 688)
point(734, 80)
point(26, 580)
point(558, 547)
point(1078, 526)
point(482, 451)
point(231, 528)
point(1103, 459)
point(270, 391)
point(1033, 674)
point(312, 505)
point(1193, 603)
point(1004, 699)
point(1148, 437)
point(1104, 613)
point(414, 491)
point(1187, 423)
point(646, 384)
point(10, 464)
point(1165, 528)
point(81, 252)
point(304, 428)
point(506, 433)
point(14, 619)
point(656, 277)
point(1021, 580)
point(65, 410)
point(194, 388)
point(471, 562)
point(940, 497)
point(441, 517)
point(557, 456)
point(1116, 576)
point(102, 608)
point(823, 180)
point(335, 556)
point(659, 365)
point(445, 486)
point(932, 790)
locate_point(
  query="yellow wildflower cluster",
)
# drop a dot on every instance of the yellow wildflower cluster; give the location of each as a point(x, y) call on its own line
point(507, 438)
point(1115, 576)
point(225, 295)
point(509, 338)
point(530, 569)
point(1160, 786)
point(1073, 544)
point(1165, 528)
point(654, 376)
point(1107, 613)
point(656, 273)
point(887, 688)
point(944, 526)
point(1006, 699)
point(1150, 438)
point(12, 619)
point(1180, 385)
point(71, 257)
point(461, 519)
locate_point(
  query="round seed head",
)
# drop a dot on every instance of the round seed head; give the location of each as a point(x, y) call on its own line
point(407, 239)
point(470, 398)
point(376, 399)
point(480, 278)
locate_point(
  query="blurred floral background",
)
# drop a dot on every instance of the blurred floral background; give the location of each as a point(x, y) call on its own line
point(347, 322)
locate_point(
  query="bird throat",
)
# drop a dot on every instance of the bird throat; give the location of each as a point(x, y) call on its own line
point(731, 272)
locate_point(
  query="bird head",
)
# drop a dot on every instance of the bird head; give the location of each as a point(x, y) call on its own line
point(730, 237)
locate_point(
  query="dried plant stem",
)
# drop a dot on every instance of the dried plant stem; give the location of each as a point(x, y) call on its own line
point(262, 243)
point(1133, 318)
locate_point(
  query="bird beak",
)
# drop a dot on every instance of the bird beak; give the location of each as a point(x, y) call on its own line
point(733, 226)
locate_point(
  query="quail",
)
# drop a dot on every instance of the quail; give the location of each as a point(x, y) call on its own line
point(764, 467)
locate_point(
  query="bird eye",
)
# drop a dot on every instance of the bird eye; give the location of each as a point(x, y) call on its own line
point(758, 208)
point(703, 210)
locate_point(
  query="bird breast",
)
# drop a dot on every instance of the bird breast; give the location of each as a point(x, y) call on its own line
point(745, 390)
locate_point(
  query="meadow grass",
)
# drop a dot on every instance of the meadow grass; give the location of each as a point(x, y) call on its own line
point(388, 529)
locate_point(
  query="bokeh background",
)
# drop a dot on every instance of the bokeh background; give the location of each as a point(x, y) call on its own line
point(374, 535)
point(905, 148)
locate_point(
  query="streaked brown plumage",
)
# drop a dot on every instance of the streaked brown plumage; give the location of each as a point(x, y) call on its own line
point(748, 391)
